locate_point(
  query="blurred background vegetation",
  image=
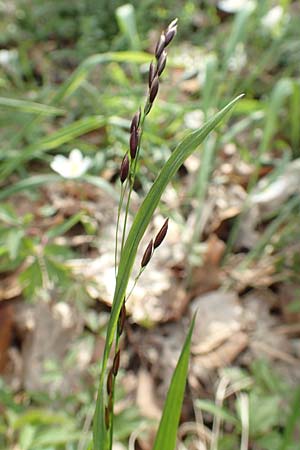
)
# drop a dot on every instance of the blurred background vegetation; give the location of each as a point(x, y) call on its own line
point(72, 74)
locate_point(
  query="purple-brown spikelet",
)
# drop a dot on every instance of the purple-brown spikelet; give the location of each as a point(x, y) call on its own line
point(160, 46)
point(154, 89)
point(161, 234)
point(170, 35)
point(116, 363)
point(109, 383)
point(161, 63)
point(124, 170)
point(133, 142)
point(135, 120)
point(122, 319)
point(173, 24)
point(147, 254)
point(152, 73)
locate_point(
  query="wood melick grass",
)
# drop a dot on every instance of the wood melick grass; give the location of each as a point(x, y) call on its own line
point(125, 256)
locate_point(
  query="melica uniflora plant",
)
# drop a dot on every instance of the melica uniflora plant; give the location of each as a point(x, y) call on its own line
point(125, 255)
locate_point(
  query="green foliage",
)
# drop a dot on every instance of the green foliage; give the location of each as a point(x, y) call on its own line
point(272, 409)
point(167, 431)
point(75, 71)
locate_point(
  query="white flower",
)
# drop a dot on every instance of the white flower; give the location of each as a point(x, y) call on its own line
point(72, 167)
point(273, 18)
point(233, 6)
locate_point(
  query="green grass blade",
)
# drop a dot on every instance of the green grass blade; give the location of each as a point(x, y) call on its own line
point(291, 423)
point(82, 72)
point(35, 181)
point(239, 31)
point(167, 430)
point(30, 107)
point(281, 91)
point(125, 15)
point(141, 221)
point(55, 140)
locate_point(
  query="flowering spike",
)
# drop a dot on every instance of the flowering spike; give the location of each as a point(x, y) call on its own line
point(135, 120)
point(153, 89)
point(152, 73)
point(133, 142)
point(147, 254)
point(160, 46)
point(161, 63)
point(116, 363)
point(161, 234)
point(124, 170)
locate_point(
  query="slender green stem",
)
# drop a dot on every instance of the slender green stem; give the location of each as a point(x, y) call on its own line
point(135, 282)
point(123, 190)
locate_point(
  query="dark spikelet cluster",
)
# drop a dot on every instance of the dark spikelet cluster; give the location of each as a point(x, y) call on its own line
point(157, 68)
point(161, 234)
point(154, 244)
point(134, 134)
point(124, 170)
point(147, 254)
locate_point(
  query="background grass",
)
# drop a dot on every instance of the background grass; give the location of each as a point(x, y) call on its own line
point(71, 75)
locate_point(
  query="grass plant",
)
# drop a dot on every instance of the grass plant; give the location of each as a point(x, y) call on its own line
point(125, 256)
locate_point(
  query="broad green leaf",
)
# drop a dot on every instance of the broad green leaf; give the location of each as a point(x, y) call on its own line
point(167, 430)
point(14, 239)
point(101, 436)
point(264, 412)
point(30, 107)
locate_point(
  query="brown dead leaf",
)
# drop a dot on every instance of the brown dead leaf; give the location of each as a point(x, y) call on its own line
point(10, 287)
point(220, 357)
point(215, 250)
point(218, 318)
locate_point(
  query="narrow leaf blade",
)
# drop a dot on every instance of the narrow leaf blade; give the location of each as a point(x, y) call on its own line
point(167, 430)
point(27, 106)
